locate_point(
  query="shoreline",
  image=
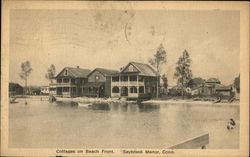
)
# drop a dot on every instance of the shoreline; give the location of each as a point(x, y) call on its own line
point(117, 100)
point(192, 102)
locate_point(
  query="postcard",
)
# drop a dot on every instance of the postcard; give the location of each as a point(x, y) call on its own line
point(125, 78)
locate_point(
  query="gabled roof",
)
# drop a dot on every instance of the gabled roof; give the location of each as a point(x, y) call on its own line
point(76, 72)
point(105, 72)
point(196, 81)
point(11, 84)
point(213, 80)
point(144, 69)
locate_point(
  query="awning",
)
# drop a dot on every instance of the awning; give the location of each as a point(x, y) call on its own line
point(93, 84)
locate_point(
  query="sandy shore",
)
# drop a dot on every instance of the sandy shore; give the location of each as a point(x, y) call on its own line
point(171, 101)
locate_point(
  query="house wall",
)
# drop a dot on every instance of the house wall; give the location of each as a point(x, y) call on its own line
point(108, 86)
point(92, 77)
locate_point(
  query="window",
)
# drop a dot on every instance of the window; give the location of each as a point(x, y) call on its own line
point(131, 68)
point(90, 89)
point(124, 78)
point(115, 90)
point(140, 79)
point(141, 89)
point(132, 78)
point(66, 80)
point(133, 89)
point(59, 80)
point(115, 79)
point(97, 78)
point(66, 72)
point(65, 89)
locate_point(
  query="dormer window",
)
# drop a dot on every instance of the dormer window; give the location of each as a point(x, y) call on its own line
point(97, 78)
point(131, 68)
point(66, 72)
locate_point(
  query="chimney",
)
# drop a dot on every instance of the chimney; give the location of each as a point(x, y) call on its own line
point(77, 66)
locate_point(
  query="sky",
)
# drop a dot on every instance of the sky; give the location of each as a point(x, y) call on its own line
point(112, 38)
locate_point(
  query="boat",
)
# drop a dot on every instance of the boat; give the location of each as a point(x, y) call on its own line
point(83, 104)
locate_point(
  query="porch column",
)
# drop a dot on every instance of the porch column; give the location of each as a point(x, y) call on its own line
point(119, 85)
point(128, 85)
point(70, 91)
point(137, 84)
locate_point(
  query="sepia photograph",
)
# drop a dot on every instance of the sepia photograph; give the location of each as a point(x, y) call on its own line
point(124, 78)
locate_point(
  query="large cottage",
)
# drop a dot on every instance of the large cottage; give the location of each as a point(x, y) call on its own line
point(70, 80)
point(15, 89)
point(135, 80)
point(99, 83)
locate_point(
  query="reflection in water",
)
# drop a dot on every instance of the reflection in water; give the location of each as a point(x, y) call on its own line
point(148, 107)
point(100, 106)
point(41, 124)
point(68, 103)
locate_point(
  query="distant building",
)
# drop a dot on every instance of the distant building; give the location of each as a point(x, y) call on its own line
point(45, 90)
point(33, 90)
point(15, 89)
point(209, 87)
point(223, 91)
point(99, 83)
point(196, 85)
point(70, 80)
point(196, 82)
point(135, 80)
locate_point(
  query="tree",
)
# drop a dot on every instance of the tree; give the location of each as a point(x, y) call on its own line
point(51, 73)
point(159, 58)
point(165, 81)
point(25, 72)
point(183, 74)
point(237, 83)
point(157, 61)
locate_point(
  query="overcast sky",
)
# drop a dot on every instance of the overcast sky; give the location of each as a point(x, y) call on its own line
point(110, 39)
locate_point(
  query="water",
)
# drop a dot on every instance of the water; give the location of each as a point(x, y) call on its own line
point(41, 124)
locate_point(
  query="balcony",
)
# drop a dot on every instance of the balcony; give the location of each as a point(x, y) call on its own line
point(63, 84)
point(127, 83)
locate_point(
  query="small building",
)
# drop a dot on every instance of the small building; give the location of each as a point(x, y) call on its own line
point(135, 80)
point(33, 90)
point(196, 83)
point(70, 80)
point(99, 83)
point(209, 87)
point(52, 89)
point(224, 91)
point(15, 89)
point(45, 90)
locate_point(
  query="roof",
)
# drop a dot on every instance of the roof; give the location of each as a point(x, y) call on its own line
point(220, 87)
point(105, 72)
point(213, 80)
point(76, 72)
point(144, 69)
point(196, 80)
point(14, 84)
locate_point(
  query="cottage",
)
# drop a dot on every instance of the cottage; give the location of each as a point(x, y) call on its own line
point(45, 90)
point(135, 80)
point(209, 86)
point(99, 83)
point(70, 80)
point(15, 89)
point(224, 91)
point(196, 85)
point(33, 90)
